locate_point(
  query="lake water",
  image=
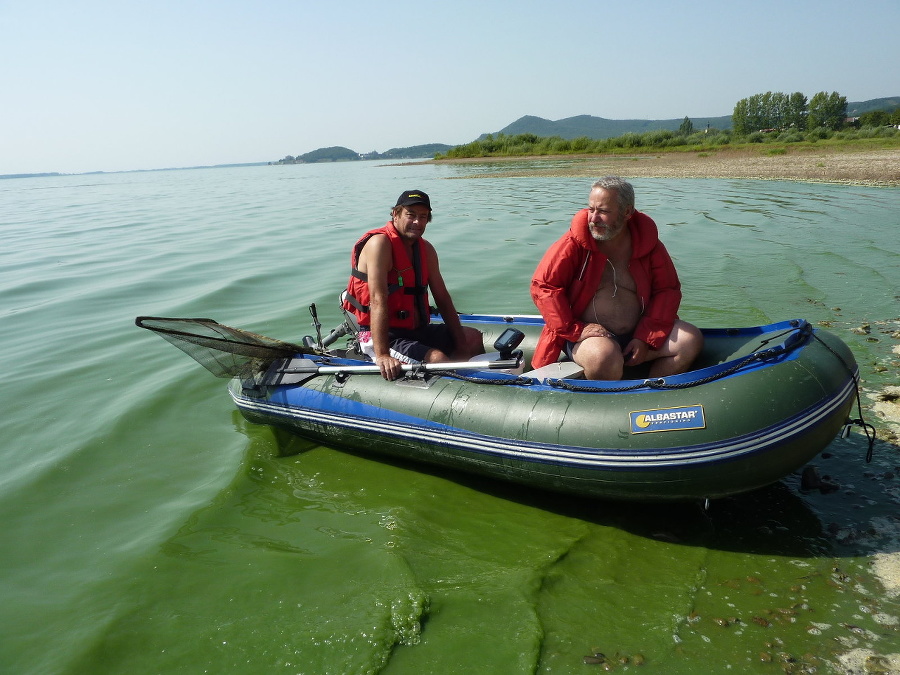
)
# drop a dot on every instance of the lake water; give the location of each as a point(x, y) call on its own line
point(148, 529)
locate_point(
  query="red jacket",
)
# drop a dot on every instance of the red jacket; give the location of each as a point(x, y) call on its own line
point(570, 272)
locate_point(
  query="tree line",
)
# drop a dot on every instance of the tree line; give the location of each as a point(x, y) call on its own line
point(775, 111)
point(761, 118)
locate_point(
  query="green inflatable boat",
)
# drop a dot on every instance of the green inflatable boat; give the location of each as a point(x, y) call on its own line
point(761, 402)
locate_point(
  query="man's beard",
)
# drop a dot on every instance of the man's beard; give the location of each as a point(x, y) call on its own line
point(608, 232)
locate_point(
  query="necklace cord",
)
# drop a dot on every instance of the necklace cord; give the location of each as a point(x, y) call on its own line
point(615, 290)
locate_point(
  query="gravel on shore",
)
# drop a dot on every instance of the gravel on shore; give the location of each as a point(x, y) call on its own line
point(822, 165)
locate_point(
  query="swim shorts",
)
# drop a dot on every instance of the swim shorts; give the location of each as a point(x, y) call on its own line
point(622, 341)
point(410, 346)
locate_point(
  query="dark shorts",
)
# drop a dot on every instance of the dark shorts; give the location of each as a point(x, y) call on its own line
point(411, 346)
point(621, 340)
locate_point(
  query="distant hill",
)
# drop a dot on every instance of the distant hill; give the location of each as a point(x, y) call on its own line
point(413, 152)
point(28, 175)
point(335, 153)
point(889, 104)
point(600, 127)
point(341, 154)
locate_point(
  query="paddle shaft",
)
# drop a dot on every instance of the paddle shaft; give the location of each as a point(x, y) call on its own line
point(408, 368)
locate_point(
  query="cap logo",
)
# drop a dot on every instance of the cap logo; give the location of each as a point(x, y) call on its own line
point(413, 197)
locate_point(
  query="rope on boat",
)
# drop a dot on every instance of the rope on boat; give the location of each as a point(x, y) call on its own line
point(800, 331)
point(660, 383)
point(867, 428)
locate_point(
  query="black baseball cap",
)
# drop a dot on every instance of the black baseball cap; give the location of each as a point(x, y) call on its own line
point(411, 197)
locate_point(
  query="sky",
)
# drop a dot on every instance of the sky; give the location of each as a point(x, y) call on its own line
point(117, 85)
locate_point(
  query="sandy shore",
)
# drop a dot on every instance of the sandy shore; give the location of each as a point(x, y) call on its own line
point(828, 165)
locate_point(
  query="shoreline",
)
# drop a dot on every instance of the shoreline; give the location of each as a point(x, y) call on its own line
point(875, 168)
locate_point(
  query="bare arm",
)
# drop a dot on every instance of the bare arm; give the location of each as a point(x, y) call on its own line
point(376, 260)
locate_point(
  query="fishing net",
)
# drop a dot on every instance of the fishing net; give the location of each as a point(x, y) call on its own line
point(222, 350)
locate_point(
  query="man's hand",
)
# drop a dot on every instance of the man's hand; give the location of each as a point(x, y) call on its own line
point(635, 352)
point(595, 330)
point(390, 367)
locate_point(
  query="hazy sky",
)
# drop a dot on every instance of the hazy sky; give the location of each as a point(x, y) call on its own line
point(107, 85)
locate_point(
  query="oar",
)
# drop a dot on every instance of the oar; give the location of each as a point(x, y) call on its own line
point(406, 367)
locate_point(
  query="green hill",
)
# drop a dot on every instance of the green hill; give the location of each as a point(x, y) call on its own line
point(412, 152)
point(600, 127)
point(889, 104)
point(342, 154)
point(335, 153)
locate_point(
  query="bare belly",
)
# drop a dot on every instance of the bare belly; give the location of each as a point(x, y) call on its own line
point(619, 315)
point(615, 304)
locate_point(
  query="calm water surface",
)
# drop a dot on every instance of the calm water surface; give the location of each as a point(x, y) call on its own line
point(148, 529)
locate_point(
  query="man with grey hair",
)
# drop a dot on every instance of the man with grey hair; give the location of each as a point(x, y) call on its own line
point(609, 292)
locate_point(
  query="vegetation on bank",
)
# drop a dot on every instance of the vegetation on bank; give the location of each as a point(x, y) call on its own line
point(666, 141)
point(761, 118)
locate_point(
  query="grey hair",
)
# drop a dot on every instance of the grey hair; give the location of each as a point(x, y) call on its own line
point(624, 190)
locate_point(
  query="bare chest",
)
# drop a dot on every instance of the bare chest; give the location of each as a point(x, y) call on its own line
point(615, 304)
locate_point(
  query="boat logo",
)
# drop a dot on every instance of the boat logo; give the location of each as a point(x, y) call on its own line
point(668, 419)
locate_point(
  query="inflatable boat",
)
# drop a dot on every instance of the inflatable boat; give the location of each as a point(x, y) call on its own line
point(761, 403)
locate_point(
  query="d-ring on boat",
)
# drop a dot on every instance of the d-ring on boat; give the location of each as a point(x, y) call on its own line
point(761, 402)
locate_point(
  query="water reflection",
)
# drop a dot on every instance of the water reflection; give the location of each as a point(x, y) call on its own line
point(782, 519)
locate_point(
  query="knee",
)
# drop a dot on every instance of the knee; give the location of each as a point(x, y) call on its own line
point(689, 343)
point(601, 359)
point(695, 340)
point(607, 369)
point(474, 340)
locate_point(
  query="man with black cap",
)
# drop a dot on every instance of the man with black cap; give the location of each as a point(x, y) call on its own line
point(392, 269)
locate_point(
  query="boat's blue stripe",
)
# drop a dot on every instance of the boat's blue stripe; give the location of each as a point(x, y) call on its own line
point(563, 455)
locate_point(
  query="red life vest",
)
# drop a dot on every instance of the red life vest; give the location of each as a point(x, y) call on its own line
point(408, 304)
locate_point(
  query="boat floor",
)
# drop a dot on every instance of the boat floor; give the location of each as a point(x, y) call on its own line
point(716, 351)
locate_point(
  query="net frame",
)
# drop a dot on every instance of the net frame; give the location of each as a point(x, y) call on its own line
point(222, 350)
